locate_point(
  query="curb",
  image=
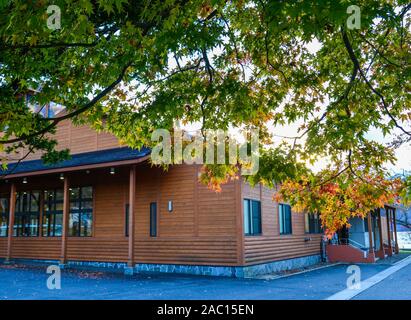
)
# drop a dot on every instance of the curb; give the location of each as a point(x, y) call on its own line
point(348, 294)
point(297, 273)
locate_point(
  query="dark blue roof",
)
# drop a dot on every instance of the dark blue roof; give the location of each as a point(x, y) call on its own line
point(80, 159)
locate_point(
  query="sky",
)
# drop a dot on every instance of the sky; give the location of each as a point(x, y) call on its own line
point(403, 153)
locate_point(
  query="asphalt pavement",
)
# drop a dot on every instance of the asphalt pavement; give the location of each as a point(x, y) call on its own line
point(28, 282)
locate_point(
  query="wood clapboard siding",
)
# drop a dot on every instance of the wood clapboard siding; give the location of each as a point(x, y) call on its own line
point(217, 211)
point(97, 249)
point(36, 248)
point(108, 242)
point(178, 250)
point(201, 229)
point(3, 247)
point(271, 246)
point(193, 232)
point(78, 139)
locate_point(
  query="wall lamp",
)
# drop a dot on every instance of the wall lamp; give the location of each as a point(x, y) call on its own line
point(61, 176)
point(112, 170)
point(24, 180)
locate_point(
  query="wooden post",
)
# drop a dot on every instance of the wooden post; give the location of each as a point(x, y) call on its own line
point(66, 214)
point(12, 209)
point(397, 249)
point(132, 201)
point(380, 233)
point(387, 212)
point(41, 215)
point(370, 232)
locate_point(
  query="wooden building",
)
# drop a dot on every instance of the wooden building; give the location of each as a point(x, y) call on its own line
point(107, 207)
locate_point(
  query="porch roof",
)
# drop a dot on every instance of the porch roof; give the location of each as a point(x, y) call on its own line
point(122, 155)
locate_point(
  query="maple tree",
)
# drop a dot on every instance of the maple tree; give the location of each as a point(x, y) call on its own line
point(129, 67)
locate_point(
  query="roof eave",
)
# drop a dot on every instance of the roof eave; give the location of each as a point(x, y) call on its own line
point(78, 168)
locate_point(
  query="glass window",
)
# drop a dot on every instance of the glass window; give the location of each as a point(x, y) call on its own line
point(127, 208)
point(27, 214)
point(312, 223)
point(247, 224)
point(74, 224)
point(53, 213)
point(4, 216)
point(252, 217)
point(81, 212)
point(284, 211)
point(153, 219)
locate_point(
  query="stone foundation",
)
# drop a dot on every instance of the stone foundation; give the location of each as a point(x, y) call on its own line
point(221, 271)
point(98, 265)
point(237, 272)
point(277, 266)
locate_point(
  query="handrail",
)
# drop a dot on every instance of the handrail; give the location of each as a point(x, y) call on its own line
point(348, 241)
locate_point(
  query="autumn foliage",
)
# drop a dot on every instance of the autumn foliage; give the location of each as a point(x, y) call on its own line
point(338, 201)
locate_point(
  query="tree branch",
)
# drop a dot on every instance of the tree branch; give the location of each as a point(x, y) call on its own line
point(55, 121)
point(375, 91)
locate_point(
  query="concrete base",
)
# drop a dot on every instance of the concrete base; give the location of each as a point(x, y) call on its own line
point(5, 261)
point(98, 265)
point(128, 271)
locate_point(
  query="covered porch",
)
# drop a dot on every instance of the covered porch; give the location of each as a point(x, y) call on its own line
point(71, 210)
point(367, 240)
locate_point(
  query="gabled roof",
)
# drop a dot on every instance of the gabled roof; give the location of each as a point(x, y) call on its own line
point(77, 160)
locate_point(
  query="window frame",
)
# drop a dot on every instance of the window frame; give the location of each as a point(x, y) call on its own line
point(4, 216)
point(53, 212)
point(126, 219)
point(251, 218)
point(153, 220)
point(282, 219)
point(81, 211)
point(22, 214)
point(317, 227)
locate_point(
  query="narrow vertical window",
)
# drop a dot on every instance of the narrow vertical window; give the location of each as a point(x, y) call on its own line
point(126, 218)
point(53, 213)
point(27, 214)
point(284, 218)
point(81, 212)
point(4, 216)
point(247, 224)
point(153, 219)
point(252, 217)
point(256, 216)
point(307, 217)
